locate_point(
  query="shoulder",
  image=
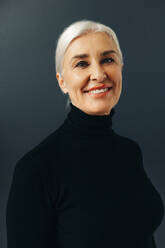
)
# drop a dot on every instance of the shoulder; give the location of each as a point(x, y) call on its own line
point(128, 151)
point(35, 174)
point(128, 144)
point(34, 162)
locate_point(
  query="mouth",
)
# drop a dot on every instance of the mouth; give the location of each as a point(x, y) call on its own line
point(99, 93)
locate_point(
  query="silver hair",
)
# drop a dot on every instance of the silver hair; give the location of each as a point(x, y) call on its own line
point(73, 31)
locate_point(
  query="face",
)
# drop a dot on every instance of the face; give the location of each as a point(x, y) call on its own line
point(92, 60)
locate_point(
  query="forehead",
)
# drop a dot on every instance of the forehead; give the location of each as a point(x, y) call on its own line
point(90, 42)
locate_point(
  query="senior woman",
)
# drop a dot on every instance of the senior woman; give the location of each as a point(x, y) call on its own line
point(84, 185)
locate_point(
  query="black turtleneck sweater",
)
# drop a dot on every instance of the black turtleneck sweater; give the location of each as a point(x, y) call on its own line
point(84, 186)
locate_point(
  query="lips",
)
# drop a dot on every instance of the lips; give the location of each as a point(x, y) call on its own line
point(98, 88)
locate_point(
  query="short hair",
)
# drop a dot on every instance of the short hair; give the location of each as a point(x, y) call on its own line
point(73, 31)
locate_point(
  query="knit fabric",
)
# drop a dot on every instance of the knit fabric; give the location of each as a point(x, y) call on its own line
point(84, 186)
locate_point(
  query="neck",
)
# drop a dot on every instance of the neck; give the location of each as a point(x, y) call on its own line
point(94, 114)
point(89, 124)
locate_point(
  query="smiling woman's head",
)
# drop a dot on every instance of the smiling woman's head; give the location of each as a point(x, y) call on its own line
point(88, 55)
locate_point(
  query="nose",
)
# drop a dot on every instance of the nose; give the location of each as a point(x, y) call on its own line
point(97, 73)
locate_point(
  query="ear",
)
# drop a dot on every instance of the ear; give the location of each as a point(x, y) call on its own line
point(61, 82)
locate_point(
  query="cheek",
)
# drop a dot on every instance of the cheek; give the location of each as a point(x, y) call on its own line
point(79, 80)
point(81, 75)
point(116, 77)
point(71, 81)
point(116, 73)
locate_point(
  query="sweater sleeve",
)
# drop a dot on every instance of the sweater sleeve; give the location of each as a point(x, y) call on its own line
point(30, 219)
point(151, 241)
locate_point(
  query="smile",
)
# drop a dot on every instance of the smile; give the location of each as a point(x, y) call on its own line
point(99, 93)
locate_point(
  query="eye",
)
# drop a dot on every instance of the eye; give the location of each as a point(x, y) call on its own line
point(108, 60)
point(81, 64)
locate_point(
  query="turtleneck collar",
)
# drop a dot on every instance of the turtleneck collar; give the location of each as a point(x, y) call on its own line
point(90, 124)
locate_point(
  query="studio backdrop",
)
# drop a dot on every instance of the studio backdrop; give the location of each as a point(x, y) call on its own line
point(31, 103)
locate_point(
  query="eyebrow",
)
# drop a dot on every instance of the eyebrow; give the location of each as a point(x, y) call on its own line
point(84, 55)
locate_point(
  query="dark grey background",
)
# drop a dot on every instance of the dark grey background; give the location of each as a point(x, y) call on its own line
point(31, 103)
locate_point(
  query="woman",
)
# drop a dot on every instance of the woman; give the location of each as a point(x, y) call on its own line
point(85, 185)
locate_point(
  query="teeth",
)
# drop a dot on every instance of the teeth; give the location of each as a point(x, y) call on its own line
point(98, 91)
